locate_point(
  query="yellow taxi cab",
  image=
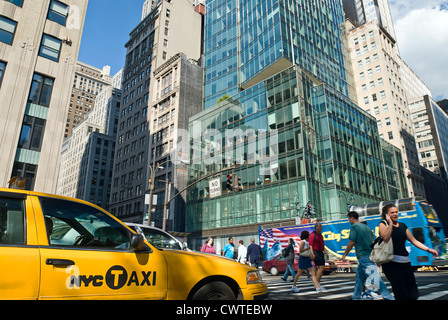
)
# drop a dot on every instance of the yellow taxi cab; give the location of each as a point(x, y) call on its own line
point(53, 247)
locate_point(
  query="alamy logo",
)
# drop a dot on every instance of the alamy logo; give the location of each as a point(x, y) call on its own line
point(229, 147)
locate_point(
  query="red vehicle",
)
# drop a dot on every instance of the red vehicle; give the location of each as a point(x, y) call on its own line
point(278, 265)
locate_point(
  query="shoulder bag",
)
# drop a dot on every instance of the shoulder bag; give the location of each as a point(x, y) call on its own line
point(306, 253)
point(382, 251)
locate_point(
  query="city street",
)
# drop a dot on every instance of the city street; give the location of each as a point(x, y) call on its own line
point(432, 286)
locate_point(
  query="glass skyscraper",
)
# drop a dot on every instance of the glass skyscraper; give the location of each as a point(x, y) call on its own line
point(278, 114)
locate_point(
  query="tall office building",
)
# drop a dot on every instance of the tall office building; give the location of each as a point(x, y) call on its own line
point(88, 82)
point(431, 132)
point(39, 43)
point(87, 155)
point(279, 119)
point(382, 82)
point(363, 11)
point(158, 85)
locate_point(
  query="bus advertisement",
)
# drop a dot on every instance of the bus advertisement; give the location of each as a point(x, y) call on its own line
point(419, 216)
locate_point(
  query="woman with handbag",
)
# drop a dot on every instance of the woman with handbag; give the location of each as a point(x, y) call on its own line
point(305, 262)
point(399, 271)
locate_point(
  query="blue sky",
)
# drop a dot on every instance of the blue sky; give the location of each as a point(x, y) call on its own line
point(421, 28)
point(106, 31)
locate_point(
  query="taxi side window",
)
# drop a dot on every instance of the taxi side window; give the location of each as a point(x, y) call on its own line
point(74, 224)
point(12, 221)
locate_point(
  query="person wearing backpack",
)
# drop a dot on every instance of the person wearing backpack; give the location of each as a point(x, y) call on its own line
point(288, 253)
point(318, 251)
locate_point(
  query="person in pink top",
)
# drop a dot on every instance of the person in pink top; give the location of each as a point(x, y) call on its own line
point(208, 246)
point(317, 248)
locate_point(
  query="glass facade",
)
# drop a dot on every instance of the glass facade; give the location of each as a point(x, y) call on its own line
point(246, 38)
point(287, 128)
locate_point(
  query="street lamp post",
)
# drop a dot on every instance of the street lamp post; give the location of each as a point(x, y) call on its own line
point(153, 168)
point(342, 194)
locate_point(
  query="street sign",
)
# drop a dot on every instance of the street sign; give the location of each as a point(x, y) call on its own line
point(215, 188)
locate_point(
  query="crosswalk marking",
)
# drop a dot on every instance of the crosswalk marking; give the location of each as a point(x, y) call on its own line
point(338, 288)
point(434, 295)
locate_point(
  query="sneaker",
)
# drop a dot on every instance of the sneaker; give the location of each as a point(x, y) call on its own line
point(366, 296)
point(295, 289)
point(322, 288)
point(319, 289)
point(374, 295)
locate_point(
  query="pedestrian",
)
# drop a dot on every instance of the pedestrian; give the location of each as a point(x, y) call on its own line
point(399, 271)
point(289, 258)
point(361, 237)
point(317, 248)
point(208, 246)
point(242, 253)
point(368, 292)
point(229, 249)
point(254, 254)
point(305, 262)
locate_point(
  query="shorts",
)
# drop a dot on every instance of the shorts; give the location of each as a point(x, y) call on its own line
point(305, 263)
point(319, 258)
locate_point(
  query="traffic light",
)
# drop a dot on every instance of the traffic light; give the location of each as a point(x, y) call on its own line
point(229, 184)
point(312, 210)
point(237, 183)
point(308, 209)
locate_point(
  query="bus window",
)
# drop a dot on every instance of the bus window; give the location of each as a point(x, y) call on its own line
point(418, 234)
point(406, 204)
point(429, 212)
point(373, 209)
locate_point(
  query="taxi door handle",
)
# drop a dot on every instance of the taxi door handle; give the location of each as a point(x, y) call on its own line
point(60, 262)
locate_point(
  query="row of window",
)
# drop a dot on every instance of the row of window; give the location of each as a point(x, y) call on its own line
point(50, 47)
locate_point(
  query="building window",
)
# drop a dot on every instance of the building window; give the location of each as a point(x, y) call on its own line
point(391, 136)
point(16, 2)
point(7, 30)
point(50, 47)
point(58, 12)
point(32, 133)
point(41, 89)
point(378, 124)
point(25, 170)
point(2, 71)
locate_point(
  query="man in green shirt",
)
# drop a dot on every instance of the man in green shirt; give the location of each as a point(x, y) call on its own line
point(361, 237)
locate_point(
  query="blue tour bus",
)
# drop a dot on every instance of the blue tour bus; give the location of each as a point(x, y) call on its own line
point(416, 213)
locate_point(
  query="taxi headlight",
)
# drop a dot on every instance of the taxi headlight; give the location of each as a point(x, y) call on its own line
point(253, 277)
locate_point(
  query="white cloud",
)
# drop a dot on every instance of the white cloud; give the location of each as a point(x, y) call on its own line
point(422, 33)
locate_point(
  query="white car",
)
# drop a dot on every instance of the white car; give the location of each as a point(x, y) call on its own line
point(157, 237)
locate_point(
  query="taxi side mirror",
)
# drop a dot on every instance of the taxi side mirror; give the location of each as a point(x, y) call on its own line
point(138, 243)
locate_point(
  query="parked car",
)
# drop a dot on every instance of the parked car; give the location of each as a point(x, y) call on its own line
point(277, 265)
point(157, 237)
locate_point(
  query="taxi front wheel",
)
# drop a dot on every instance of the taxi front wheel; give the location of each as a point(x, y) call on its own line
point(215, 291)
